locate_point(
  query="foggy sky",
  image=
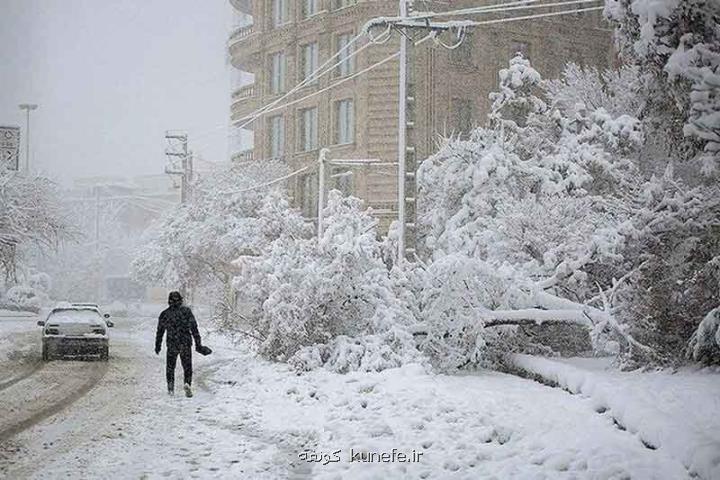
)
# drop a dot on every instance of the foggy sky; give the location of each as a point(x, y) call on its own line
point(111, 76)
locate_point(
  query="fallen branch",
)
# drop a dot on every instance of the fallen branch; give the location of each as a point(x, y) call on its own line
point(535, 316)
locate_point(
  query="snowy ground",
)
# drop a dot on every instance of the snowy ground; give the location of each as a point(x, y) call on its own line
point(677, 413)
point(252, 419)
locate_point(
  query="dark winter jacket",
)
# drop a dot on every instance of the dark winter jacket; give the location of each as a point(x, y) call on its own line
point(181, 328)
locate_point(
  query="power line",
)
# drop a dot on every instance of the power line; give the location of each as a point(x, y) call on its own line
point(270, 183)
point(309, 79)
point(318, 73)
point(340, 82)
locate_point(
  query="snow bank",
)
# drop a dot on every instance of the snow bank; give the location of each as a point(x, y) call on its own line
point(483, 425)
point(677, 414)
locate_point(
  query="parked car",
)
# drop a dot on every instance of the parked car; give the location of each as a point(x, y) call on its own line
point(75, 331)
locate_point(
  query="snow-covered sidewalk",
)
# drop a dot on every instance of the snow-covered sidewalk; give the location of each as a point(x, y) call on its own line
point(255, 419)
point(676, 413)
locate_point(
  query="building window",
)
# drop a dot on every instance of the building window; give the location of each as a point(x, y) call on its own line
point(278, 66)
point(309, 60)
point(462, 115)
point(277, 136)
point(344, 3)
point(346, 61)
point(310, 8)
point(344, 122)
point(281, 12)
point(462, 55)
point(308, 129)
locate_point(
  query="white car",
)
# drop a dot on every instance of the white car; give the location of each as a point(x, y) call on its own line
point(75, 331)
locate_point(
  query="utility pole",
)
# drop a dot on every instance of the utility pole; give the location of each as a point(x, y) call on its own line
point(321, 189)
point(402, 132)
point(98, 283)
point(177, 147)
point(28, 107)
point(97, 218)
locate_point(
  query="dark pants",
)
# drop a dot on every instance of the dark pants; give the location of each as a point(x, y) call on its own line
point(185, 354)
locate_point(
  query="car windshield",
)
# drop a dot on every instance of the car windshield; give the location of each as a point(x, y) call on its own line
point(74, 316)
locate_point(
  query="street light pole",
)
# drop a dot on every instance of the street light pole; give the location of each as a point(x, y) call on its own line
point(28, 107)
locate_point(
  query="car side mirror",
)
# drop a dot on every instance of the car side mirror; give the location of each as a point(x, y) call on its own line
point(107, 315)
point(41, 323)
point(110, 324)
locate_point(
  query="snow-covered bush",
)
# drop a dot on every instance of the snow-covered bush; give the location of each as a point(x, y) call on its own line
point(21, 298)
point(673, 264)
point(40, 281)
point(327, 301)
point(705, 342)
point(457, 290)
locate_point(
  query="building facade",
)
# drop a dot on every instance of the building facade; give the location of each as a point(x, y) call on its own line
point(354, 112)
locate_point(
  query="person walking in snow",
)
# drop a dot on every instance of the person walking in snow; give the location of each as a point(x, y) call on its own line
point(179, 323)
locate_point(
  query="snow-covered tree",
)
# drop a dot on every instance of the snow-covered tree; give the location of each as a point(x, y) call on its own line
point(328, 301)
point(31, 216)
point(677, 43)
point(196, 243)
point(532, 205)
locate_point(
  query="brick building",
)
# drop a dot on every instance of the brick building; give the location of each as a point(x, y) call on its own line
point(282, 41)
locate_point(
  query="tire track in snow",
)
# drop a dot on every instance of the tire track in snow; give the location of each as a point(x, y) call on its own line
point(28, 371)
point(43, 395)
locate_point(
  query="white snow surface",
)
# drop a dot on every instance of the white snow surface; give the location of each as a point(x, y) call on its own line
point(253, 419)
point(676, 413)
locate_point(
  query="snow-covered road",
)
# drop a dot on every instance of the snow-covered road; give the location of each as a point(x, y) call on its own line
point(252, 419)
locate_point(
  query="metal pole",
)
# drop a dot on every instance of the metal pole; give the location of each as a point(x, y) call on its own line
point(28, 107)
point(402, 132)
point(184, 175)
point(27, 140)
point(97, 218)
point(321, 190)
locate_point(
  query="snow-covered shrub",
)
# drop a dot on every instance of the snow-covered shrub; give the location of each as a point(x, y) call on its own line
point(40, 282)
point(673, 262)
point(22, 298)
point(327, 301)
point(705, 342)
point(457, 290)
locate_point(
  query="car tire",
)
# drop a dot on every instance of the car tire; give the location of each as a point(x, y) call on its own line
point(45, 353)
point(105, 354)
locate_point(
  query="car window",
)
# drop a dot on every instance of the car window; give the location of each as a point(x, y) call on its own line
point(73, 316)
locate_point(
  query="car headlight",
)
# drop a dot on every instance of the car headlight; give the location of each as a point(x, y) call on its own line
point(52, 331)
point(99, 331)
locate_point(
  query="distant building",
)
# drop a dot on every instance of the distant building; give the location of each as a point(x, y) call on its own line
point(114, 212)
point(282, 41)
point(138, 200)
